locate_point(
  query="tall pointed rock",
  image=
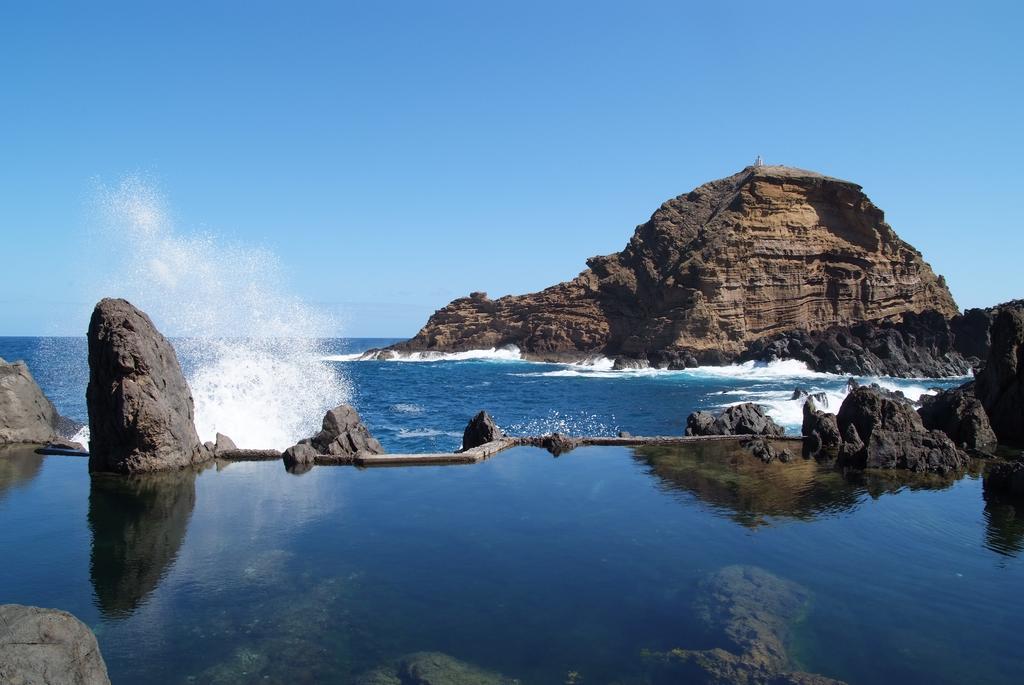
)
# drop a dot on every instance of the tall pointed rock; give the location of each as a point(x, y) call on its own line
point(140, 407)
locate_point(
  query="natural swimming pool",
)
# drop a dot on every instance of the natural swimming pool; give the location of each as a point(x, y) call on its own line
point(587, 568)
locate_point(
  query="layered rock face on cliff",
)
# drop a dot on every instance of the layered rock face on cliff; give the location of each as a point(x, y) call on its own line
point(763, 252)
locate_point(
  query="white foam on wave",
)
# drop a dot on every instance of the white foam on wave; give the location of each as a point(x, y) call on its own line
point(788, 411)
point(82, 437)
point(406, 408)
point(252, 352)
point(506, 353)
point(353, 357)
point(768, 371)
point(602, 367)
point(414, 433)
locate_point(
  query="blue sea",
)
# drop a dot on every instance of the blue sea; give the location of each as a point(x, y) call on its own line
point(578, 569)
point(419, 405)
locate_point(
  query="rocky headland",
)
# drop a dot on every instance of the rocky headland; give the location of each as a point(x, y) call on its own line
point(771, 262)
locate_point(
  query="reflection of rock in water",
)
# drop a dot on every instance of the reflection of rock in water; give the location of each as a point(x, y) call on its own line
point(19, 464)
point(724, 474)
point(431, 668)
point(138, 524)
point(748, 613)
point(1004, 524)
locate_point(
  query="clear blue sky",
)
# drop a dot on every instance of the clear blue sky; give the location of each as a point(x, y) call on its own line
point(396, 155)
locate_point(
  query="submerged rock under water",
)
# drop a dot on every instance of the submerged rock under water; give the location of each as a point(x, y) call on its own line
point(431, 668)
point(748, 613)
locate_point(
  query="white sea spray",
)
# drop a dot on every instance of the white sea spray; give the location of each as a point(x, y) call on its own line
point(252, 352)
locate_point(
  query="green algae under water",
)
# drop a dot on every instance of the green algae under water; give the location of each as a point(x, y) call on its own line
point(542, 569)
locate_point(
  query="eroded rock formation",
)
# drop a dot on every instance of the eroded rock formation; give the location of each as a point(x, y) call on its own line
point(26, 415)
point(761, 253)
point(141, 416)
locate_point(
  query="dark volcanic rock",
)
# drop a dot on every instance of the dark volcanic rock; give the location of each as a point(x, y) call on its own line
point(26, 415)
point(868, 408)
point(480, 430)
point(701, 423)
point(298, 456)
point(627, 364)
point(556, 443)
point(47, 647)
point(930, 451)
point(919, 344)
point(739, 419)
point(1000, 385)
point(761, 253)
point(820, 430)
point(750, 613)
point(140, 407)
point(342, 437)
point(1005, 478)
point(959, 414)
point(882, 430)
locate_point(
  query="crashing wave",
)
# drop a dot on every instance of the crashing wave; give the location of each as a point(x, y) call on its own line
point(506, 353)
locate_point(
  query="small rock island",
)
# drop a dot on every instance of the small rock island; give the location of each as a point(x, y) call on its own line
point(771, 262)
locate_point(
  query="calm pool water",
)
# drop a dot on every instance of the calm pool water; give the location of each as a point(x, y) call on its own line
point(546, 570)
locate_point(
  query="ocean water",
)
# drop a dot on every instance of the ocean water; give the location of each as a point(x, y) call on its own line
point(581, 568)
point(418, 405)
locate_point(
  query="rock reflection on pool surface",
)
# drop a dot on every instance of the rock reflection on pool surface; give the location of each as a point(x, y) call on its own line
point(138, 524)
point(594, 567)
point(726, 476)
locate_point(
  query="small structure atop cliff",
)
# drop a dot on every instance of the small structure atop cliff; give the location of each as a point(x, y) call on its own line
point(765, 251)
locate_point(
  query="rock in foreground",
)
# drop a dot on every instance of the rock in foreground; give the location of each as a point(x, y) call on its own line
point(1000, 385)
point(141, 416)
point(26, 415)
point(764, 252)
point(47, 647)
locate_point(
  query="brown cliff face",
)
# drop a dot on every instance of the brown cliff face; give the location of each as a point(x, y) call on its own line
point(768, 250)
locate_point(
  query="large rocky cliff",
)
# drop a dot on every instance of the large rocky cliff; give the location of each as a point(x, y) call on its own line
point(766, 251)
